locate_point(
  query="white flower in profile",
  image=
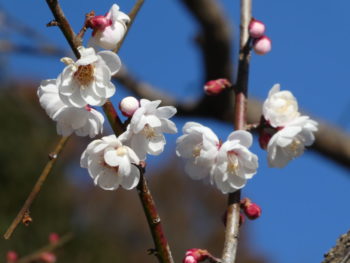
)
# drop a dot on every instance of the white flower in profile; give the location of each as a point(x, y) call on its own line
point(280, 107)
point(88, 80)
point(200, 146)
point(290, 141)
point(82, 121)
point(108, 30)
point(110, 163)
point(235, 164)
point(144, 134)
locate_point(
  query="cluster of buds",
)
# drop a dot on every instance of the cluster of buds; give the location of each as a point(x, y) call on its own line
point(261, 43)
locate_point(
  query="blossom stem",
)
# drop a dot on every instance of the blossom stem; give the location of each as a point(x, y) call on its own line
point(241, 91)
point(37, 187)
point(113, 118)
point(48, 248)
point(163, 252)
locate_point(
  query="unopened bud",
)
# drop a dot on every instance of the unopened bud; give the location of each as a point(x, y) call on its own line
point(11, 256)
point(262, 45)
point(99, 22)
point(214, 87)
point(189, 259)
point(250, 209)
point(48, 257)
point(54, 238)
point(128, 106)
point(256, 28)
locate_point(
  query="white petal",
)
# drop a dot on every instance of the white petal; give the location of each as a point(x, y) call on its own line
point(156, 145)
point(139, 145)
point(108, 179)
point(166, 112)
point(245, 138)
point(132, 179)
point(153, 121)
point(168, 126)
point(88, 56)
point(111, 60)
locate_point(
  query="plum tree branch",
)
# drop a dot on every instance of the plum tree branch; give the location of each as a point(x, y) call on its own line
point(37, 187)
point(163, 252)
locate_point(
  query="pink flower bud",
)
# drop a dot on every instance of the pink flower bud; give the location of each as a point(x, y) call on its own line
point(54, 238)
point(256, 28)
point(251, 210)
point(99, 23)
point(214, 87)
point(189, 259)
point(262, 45)
point(128, 106)
point(48, 257)
point(11, 256)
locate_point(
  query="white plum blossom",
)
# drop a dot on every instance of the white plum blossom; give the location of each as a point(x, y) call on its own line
point(111, 164)
point(88, 80)
point(200, 146)
point(235, 164)
point(109, 29)
point(144, 134)
point(82, 121)
point(280, 107)
point(290, 141)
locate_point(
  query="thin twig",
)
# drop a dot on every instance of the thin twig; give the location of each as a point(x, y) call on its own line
point(133, 13)
point(37, 187)
point(82, 31)
point(163, 252)
point(51, 247)
point(241, 90)
point(64, 25)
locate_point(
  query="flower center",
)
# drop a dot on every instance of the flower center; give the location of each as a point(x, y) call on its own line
point(233, 164)
point(285, 105)
point(121, 151)
point(148, 131)
point(84, 74)
point(197, 150)
point(295, 148)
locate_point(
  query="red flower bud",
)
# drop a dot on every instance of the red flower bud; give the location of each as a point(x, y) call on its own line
point(262, 45)
point(99, 23)
point(214, 87)
point(11, 256)
point(54, 238)
point(256, 28)
point(250, 209)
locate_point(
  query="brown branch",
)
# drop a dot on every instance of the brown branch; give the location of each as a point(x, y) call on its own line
point(64, 25)
point(241, 90)
point(51, 247)
point(163, 252)
point(37, 187)
point(340, 253)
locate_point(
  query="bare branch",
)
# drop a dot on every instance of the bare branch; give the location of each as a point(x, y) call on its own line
point(340, 253)
point(37, 187)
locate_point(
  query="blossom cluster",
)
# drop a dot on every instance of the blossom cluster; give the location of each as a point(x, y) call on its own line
point(115, 161)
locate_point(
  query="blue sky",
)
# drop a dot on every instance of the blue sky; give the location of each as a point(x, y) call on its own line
point(303, 204)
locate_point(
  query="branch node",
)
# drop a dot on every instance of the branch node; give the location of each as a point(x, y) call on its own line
point(27, 219)
point(52, 23)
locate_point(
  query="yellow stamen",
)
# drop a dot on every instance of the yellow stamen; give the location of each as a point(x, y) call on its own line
point(84, 74)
